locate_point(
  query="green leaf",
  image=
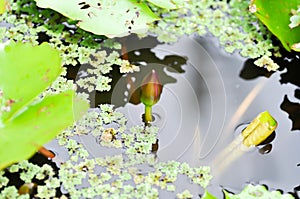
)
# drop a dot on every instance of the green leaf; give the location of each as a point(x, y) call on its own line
point(40, 123)
point(105, 17)
point(276, 15)
point(26, 125)
point(207, 195)
point(168, 4)
point(25, 71)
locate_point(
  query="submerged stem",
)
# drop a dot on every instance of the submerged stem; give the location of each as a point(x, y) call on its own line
point(45, 152)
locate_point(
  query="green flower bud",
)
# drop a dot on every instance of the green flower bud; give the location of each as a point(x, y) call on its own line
point(151, 89)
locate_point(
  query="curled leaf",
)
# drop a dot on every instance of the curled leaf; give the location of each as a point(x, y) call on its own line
point(259, 129)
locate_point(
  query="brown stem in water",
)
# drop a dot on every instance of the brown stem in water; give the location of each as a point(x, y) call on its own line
point(124, 53)
point(45, 152)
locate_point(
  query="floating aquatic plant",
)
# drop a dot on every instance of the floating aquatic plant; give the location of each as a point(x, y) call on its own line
point(109, 18)
point(119, 175)
point(251, 192)
point(257, 191)
point(295, 18)
point(237, 30)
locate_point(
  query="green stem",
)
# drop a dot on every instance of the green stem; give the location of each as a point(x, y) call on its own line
point(148, 114)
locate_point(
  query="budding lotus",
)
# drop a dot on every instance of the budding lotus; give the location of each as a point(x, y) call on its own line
point(150, 93)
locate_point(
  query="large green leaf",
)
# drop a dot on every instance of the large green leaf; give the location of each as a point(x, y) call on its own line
point(40, 123)
point(275, 14)
point(25, 71)
point(168, 4)
point(105, 17)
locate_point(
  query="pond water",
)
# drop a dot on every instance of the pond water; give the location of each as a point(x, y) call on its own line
point(208, 97)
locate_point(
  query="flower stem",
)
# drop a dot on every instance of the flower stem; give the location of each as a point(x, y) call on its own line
point(148, 114)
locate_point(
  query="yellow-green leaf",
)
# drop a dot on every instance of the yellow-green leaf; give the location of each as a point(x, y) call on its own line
point(27, 122)
point(39, 124)
point(25, 71)
point(259, 129)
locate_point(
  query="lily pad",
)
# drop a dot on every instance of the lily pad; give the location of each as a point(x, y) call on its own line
point(276, 15)
point(168, 4)
point(27, 123)
point(25, 71)
point(105, 17)
point(40, 123)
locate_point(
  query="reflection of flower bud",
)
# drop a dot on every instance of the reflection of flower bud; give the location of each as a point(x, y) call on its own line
point(151, 89)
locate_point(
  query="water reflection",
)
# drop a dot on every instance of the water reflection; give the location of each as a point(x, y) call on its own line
point(293, 109)
point(251, 71)
point(291, 70)
point(186, 134)
point(125, 88)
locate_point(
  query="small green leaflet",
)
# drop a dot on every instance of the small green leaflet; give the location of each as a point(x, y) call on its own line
point(112, 18)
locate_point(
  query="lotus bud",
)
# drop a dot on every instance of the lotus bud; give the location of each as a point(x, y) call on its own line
point(150, 93)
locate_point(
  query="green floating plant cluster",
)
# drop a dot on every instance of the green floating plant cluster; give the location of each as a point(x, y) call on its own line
point(257, 191)
point(295, 18)
point(116, 176)
point(251, 192)
point(237, 28)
